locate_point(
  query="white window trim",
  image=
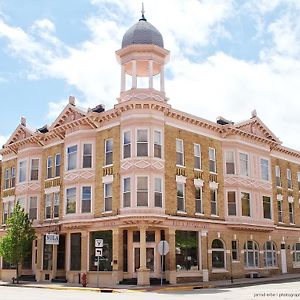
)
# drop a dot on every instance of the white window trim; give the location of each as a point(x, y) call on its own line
point(234, 162)
point(200, 156)
point(162, 192)
point(260, 161)
point(78, 160)
point(81, 197)
point(82, 154)
point(26, 171)
point(131, 143)
point(65, 201)
point(122, 192)
point(248, 164)
point(183, 158)
point(250, 204)
point(136, 141)
point(215, 160)
point(104, 163)
point(104, 211)
point(55, 165)
point(136, 189)
point(161, 143)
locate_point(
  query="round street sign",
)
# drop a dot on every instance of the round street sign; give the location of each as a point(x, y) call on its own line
point(163, 247)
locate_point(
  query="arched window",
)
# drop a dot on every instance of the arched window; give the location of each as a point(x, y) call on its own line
point(218, 254)
point(296, 252)
point(270, 257)
point(251, 254)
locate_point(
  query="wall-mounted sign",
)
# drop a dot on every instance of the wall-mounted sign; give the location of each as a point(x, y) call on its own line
point(98, 243)
point(52, 239)
point(98, 252)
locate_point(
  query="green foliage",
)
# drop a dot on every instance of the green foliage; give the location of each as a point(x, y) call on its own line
point(186, 239)
point(16, 244)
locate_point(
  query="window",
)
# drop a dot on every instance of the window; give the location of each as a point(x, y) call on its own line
point(244, 164)
point(71, 201)
point(108, 197)
point(86, 199)
point(197, 156)
point(264, 168)
point(106, 261)
point(22, 202)
point(296, 252)
point(108, 152)
point(75, 263)
point(48, 206)
point(198, 200)
point(49, 167)
point(231, 203)
point(298, 179)
point(212, 160)
point(157, 192)
point(87, 156)
point(126, 192)
point(186, 249)
point(180, 196)
point(142, 142)
point(291, 212)
point(279, 206)
point(32, 208)
point(270, 256)
point(213, 202)
point(126, 144)
point(251, 254)
point(277, 176)
point(22, 171)
point(157, 144)
point(246, 211)
point(234, 251)
point(57, 165)
point(6, 179)
point(179, 153)
point(289, 178)
point(34, 174)
point(5, 211)
point(229, 157)
point(142, 191)
point(13, 177)
point(72, 157)
point(56, 205)
point(267, 207)
point(218, 254)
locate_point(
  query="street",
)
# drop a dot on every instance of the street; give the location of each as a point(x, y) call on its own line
point(290, 290)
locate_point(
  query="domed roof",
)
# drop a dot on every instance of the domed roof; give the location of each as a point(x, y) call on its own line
point(142, 33)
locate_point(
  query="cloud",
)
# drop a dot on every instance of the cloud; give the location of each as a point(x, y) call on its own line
point(204, 84)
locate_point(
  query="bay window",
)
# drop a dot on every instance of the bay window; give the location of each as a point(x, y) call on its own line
point(126, 144)
point(142, 142)
point(245, 199)
point(229, 159)
point(72, 157)
point(87, 156)
point(71, 201)
point(157, 144)
point(22, 171)
point(86, 199)
point(244, 164)
point(126, 192)
point(264, 167)
point(34, 172)
point(142, 191)
point(157, 192)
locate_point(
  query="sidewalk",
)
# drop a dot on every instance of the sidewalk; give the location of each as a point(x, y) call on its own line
point(157, 288)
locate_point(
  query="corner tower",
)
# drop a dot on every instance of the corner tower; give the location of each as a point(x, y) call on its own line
point(142, 59)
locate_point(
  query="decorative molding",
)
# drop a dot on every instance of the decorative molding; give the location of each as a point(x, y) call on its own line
point(250, 183)
point(54, 189)
point(20, 188)
point(74, 175)
point(279, 197)
point(107, 179)
point(213, 185)
point(142, 164)
point(198, 182)
point(180, 179)
point(290, 199)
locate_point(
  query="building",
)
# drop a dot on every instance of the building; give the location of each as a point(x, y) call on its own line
point(224, 195)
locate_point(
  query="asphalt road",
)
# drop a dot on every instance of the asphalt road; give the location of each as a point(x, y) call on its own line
point(282, 291)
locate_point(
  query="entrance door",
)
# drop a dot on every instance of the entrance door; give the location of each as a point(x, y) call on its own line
point(150, 259)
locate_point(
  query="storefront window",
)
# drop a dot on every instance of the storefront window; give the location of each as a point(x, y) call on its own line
point(105, 261)
point(218, 254)
point(186, 251)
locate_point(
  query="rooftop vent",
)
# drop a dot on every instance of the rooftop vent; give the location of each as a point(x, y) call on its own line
point(72, 100)
point(99, 108)
point(223, 121)
point(43, 129)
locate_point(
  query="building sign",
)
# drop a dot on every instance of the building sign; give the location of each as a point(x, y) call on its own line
point(98, 243)
point(52, 239)
point(98, 251)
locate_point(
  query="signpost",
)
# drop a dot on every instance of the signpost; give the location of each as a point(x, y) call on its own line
point(98, 254)
point(163, 248)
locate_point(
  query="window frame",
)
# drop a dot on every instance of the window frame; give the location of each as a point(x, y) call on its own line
point(127, 144)
point(69, 154)
point(141, 190)
point(179, 155)
point(197, 157)
point(278, 176)
point(157, 192)
point(180, 198)
point(291, 213)
point(24, 168)
point(273, 253)
point(219, 250)
point(66, 197)
point(246, 162)
point(215, 202)
point(249, 200)
point(57, 165)
point(85, 156)
point(270, 207)
point(157, 145)
point(126, 192)
point(142, 142)
point(107, 197)
point(280, 212)
point(37, 169)
point(228, 203)
point(230, 162)
point(82, 199)
point(255, 251)
point(212, 160)
point(199, 199)
point(108, 152)
point(289, 178)
point(264, 168)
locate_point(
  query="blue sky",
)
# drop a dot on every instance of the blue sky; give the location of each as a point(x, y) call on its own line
point(228, 57)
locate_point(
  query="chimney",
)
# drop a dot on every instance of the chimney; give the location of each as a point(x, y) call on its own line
point(72, 100)
point(253, 113)
point(23, 121)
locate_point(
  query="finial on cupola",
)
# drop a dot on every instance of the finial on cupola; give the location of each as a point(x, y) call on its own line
point(143, 13)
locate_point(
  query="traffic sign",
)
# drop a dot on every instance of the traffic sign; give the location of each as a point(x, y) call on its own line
point(163, 247)
point(98, 252)
point(98, 243)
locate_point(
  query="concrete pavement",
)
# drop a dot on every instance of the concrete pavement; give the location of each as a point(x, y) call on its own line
point(180, 287)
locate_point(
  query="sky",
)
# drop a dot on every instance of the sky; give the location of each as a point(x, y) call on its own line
point(228, 57)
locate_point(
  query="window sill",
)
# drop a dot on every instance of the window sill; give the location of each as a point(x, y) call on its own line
point(180, 166)
point(279, 187)
point(215, 216)
point(107, 212)
point(181, 212)
point(52, 178)
point(198, 170)
point(213, 173)
point(219, 271)
point(8, 189)
point(236, 261)
point(199, 214)
point(107, 166)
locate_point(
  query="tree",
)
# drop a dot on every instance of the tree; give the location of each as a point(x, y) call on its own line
point(17, 242)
